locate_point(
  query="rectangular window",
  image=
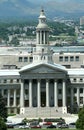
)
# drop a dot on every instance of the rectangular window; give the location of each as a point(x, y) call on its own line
point(60, 91)
point(75, 90)
point(25, 59)
point(66, 58)
point(81, 100)
point(17, 80)
point(5, 91)
point(20, 59)
point(74, 80)
point(81, 80)
point(77, 58)
point(31, 59)
point(5, 81)
point(81, 90)
point(71, 58)
point(11, 81)
point(61, 58)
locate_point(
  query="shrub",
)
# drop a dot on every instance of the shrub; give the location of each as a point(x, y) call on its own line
point(80, 121)
point(2, 124)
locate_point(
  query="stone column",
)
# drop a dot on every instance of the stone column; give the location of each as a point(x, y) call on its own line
point(55, 94)
point(22, 94)
point(78, 97)
point(40, 37)
point(8, 99)
point(30, 93)
point(64, 93)
point(47, 93)
point(38, 94)
point(44, 37)
point(14, 103)
point(72, 97)
point(2, 92)
point(47, 35)
point(83, 96)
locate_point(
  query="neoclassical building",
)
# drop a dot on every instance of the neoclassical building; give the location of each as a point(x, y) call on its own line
point(42, 88)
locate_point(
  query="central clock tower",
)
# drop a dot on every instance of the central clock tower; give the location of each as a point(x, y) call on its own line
point(42, 52)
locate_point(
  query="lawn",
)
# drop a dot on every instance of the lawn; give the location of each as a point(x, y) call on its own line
point(44, 129)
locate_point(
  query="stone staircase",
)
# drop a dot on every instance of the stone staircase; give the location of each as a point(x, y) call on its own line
point(43, 112)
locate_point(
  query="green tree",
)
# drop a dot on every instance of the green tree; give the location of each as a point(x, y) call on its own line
point(80, 121)
point(15, 41)
point(2, 124)
point(3, 109)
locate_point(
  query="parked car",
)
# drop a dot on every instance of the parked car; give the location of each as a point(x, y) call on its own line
point(10, 126)
point(51, 126)
point(61, 125)
point(24, 126)
point(35, 126)
point(72, 125)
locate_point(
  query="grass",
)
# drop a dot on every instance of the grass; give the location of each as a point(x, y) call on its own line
point(44, 129)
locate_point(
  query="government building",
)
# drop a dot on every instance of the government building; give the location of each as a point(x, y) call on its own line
point(42, 88)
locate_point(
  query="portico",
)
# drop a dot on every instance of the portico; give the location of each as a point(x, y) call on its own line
point(46, 89)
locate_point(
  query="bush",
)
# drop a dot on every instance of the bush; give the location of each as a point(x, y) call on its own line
point(80, 121)
point(2, 124)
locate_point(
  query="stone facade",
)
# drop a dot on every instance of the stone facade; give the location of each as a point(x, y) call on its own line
point(42, 88)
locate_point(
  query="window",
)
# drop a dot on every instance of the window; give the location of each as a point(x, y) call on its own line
point(5, 81)
point(26, 91)
point(81, 100)
point(81, 90)
point(66, 58)
point(20, 59)
point(17, 80)
point(11, 81)
point(25, 59)
point(5, 91)
point(11, 92)
point(60, 91)
point(81, 80)
point(31, 59)
point(71, 58)
point(61, 58)
point(17, 92)
point(77, 58)
point(75, 90)
point(74, 80)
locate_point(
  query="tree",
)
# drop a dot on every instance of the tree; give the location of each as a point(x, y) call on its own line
point(3, 109)
point(80, 121)
point(2, 124)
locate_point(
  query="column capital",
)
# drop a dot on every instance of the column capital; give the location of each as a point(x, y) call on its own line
point(39, 80)
point(22, 80)
point(47, 80)
point(55, 80)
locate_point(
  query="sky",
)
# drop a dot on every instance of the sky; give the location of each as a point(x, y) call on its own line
point(31, 7)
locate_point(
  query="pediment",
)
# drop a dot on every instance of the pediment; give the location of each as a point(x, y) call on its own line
point(43, 68)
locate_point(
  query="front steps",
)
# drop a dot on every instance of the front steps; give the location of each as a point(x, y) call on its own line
point(42, 112)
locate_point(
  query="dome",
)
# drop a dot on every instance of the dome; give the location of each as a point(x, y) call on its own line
point(42, 17)
point(43, 26)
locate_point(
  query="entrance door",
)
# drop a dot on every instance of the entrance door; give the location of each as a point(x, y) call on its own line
point(60, 102)
point(43, 99)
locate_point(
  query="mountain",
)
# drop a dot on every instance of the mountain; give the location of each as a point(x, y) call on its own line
point(31, 8)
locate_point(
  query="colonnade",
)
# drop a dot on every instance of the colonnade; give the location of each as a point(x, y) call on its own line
point(42, 37)
point(78, 95)
point(47, 85)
